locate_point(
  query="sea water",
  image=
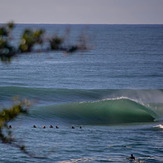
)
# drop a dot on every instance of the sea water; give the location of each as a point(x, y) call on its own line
point(112, 94)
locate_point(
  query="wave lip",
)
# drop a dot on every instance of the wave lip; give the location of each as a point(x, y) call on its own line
point(108, 111)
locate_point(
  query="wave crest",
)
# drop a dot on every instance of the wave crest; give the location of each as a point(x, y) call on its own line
point(106, 111)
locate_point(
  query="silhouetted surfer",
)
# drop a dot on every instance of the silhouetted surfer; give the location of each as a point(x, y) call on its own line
point(56, 127)
point(34, 126)
point(9, 126)
point(51, 126)
point(131, 157)
point(44, 127)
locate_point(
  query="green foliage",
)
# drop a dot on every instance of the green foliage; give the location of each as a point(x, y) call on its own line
point(3, 32)
point(7, 115)
point(56, 43)
point(29, 39)
point(10, 25)
point(6, 29)
point(6, 49)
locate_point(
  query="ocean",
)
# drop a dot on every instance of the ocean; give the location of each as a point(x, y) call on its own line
point(107, 101)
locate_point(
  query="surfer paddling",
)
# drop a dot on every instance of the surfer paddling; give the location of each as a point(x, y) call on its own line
point(131, 157)
point(51, 126)
point(9, 126)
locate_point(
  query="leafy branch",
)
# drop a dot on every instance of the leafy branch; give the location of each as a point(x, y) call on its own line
point(30, 38)
point(8, 115)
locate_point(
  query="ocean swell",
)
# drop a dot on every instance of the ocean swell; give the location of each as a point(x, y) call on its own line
point(107, 111)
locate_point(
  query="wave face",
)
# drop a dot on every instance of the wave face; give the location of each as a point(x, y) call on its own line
point(108, 111)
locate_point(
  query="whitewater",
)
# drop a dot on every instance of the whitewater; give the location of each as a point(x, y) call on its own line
point(107, 102)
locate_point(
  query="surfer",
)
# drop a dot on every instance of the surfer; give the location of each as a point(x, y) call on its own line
point(56, 127)
point(51, 126)
point(9, 126)
point(80, 127)
point(44, 127)
point(34, 126)
point(132, 157)
point(73, 127)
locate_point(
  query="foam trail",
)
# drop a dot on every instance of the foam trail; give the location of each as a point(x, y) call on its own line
point(158, 126)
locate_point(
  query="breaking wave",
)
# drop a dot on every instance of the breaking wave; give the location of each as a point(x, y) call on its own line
point(107, 111)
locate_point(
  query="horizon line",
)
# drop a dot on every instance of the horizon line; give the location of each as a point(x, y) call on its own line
point(83, 23)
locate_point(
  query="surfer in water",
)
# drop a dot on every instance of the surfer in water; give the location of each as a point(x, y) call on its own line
point(9, 126)
point(132, 157)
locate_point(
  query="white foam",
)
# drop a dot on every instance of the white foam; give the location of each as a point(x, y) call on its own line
point(159, 126)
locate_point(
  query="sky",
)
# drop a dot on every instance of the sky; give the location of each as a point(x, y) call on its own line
point(82, 11)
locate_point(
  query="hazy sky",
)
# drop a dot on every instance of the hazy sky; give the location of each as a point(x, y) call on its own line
point(82, 11)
